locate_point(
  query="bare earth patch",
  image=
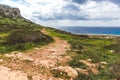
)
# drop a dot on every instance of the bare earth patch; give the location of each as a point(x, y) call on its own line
point(8, 74)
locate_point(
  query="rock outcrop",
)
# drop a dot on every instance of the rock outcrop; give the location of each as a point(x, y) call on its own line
point(6, 11)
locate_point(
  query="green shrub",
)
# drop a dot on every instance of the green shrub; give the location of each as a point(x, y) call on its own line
point(77, 64)
point(22, 46)
point(4, 49)
point(25, 36)
point(18, 47)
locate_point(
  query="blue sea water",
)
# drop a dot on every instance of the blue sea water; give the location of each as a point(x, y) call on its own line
point(91, 30)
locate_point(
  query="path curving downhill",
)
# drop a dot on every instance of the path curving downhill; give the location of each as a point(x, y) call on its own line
point(34, 64)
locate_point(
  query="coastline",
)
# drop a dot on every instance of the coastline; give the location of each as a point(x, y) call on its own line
point(100, 31)
point(101, 36)
point(90, 35)
point(98, 34)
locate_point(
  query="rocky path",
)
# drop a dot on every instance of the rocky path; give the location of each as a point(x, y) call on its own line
point(34, 64)
point(37, 64)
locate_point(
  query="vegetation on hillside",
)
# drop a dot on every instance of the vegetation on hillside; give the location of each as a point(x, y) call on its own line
point(98, 50)
point(10, 24)
point(20, 34)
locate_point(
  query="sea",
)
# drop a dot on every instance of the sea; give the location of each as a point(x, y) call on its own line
point(91, 30)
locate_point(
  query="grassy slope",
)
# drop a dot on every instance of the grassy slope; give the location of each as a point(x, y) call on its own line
point(99, 50)
point(7, 26)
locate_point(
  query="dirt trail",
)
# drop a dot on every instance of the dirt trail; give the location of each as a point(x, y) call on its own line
point(34, 64)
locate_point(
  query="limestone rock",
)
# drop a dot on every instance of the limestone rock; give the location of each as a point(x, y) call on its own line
point(6, 11)
point(82, 71)
point(69, 70)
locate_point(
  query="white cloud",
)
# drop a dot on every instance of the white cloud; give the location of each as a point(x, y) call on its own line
point(103, 10)
point(91, 13)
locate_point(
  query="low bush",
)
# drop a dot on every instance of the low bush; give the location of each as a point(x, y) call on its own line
point(25, 36)
point(75, 63)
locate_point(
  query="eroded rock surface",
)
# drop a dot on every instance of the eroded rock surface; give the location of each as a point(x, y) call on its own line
point(7, 11)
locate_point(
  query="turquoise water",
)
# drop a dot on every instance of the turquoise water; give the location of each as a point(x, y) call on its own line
point(92, 30)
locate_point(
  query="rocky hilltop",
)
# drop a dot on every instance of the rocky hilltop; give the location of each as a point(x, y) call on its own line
point(7, 11)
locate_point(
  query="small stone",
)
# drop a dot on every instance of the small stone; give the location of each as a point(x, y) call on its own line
point(112, 51)
point(104, 63)
point(82, 71)
point(89, 60)
point(1, 60)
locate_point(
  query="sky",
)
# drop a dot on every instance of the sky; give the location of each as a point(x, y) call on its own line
point(69, 12)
